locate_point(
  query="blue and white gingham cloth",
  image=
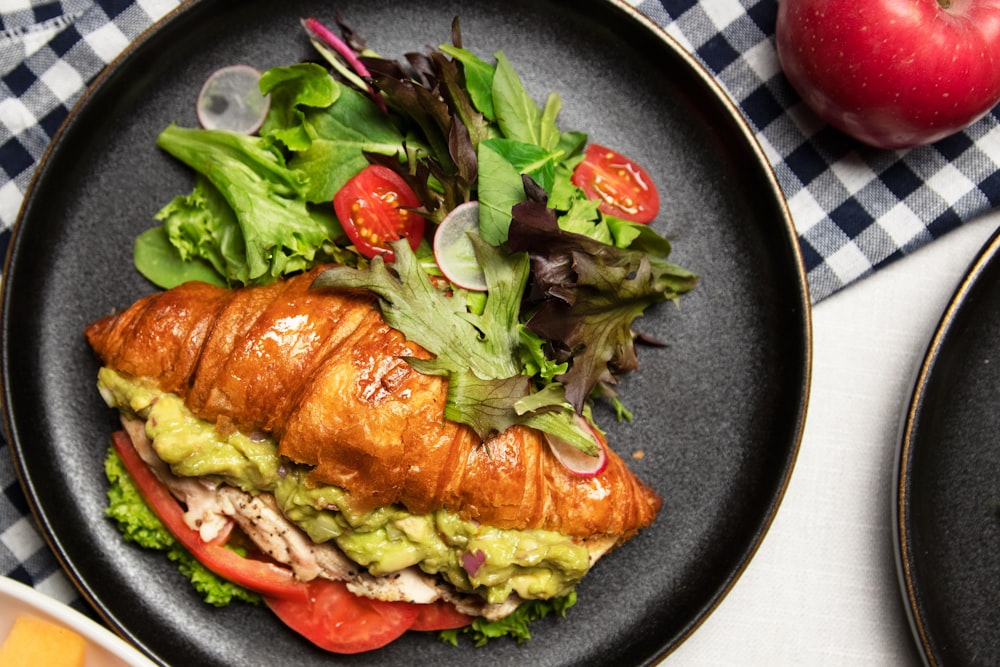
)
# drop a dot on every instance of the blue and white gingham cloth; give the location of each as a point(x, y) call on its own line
point(855, 208)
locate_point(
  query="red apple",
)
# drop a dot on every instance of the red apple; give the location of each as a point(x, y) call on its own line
point(893, 73)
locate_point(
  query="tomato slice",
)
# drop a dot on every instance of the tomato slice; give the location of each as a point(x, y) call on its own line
point(373, 208)
point(439, 615)
point(268, 579)
point(339, 621)
point(623, 188)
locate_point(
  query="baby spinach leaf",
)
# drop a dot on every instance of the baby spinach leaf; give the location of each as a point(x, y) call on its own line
point(517, 113)
point(342, 133)
point(500, 188)
point(548, 131)
point(478, 78)
point(160, 262)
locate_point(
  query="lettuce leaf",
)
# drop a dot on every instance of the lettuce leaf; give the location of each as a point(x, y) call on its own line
point(294, 90)
point(515, 626)
point(276, 228)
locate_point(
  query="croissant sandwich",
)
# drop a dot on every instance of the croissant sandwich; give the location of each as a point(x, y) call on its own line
point(292, 413)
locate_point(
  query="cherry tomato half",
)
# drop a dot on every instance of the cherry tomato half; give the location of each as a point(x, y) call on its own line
point(373, 209)
point(622, 187)
point(340, 621)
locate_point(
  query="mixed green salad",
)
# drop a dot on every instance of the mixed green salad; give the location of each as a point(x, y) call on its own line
point(517, 253)
point(559, 239)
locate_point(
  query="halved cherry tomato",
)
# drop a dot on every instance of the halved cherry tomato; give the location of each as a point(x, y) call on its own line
point(622, 187)
point(339, 621)
point(439, 615)
point(373, 208)
point(263, 577)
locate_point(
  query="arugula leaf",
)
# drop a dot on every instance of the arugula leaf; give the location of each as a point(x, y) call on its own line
point(548, 131)
point(517, 113)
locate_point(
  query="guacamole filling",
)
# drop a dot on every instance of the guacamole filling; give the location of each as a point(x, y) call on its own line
point(492, 562)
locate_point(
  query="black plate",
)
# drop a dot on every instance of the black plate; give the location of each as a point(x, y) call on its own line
point(948, 485)
point(718, 414)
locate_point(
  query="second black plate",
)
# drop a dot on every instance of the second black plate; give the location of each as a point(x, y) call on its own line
point(948, 486)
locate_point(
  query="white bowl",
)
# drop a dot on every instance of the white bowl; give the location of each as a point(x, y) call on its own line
point(104, 648)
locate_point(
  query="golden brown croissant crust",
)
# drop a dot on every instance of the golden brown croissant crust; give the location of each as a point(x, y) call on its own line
point(321, 371)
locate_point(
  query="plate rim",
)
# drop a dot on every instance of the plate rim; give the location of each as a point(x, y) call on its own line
point(920, 626)
point(718, 92)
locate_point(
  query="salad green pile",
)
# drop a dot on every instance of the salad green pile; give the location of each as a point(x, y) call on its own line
point(566, 280)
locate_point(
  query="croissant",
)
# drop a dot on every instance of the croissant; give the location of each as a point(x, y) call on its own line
point(320, 371)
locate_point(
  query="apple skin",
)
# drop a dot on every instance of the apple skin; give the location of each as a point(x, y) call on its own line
point(893, 73)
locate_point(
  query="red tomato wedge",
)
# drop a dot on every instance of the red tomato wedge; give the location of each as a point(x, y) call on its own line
point(622, 187)
point(439, 615)
point(339, 621)
point(373, 208)
point(265, 578)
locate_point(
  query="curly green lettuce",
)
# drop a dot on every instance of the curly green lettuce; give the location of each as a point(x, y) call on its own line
point(516, 626)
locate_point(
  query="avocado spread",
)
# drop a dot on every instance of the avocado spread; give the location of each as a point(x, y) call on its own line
point(535, 564)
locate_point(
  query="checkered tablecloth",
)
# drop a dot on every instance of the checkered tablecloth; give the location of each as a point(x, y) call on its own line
point(855, 208)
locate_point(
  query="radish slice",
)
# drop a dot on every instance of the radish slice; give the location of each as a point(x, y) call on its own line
point(573, 459)
point(231, 100)
point(453, 250)
point(319, 34)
